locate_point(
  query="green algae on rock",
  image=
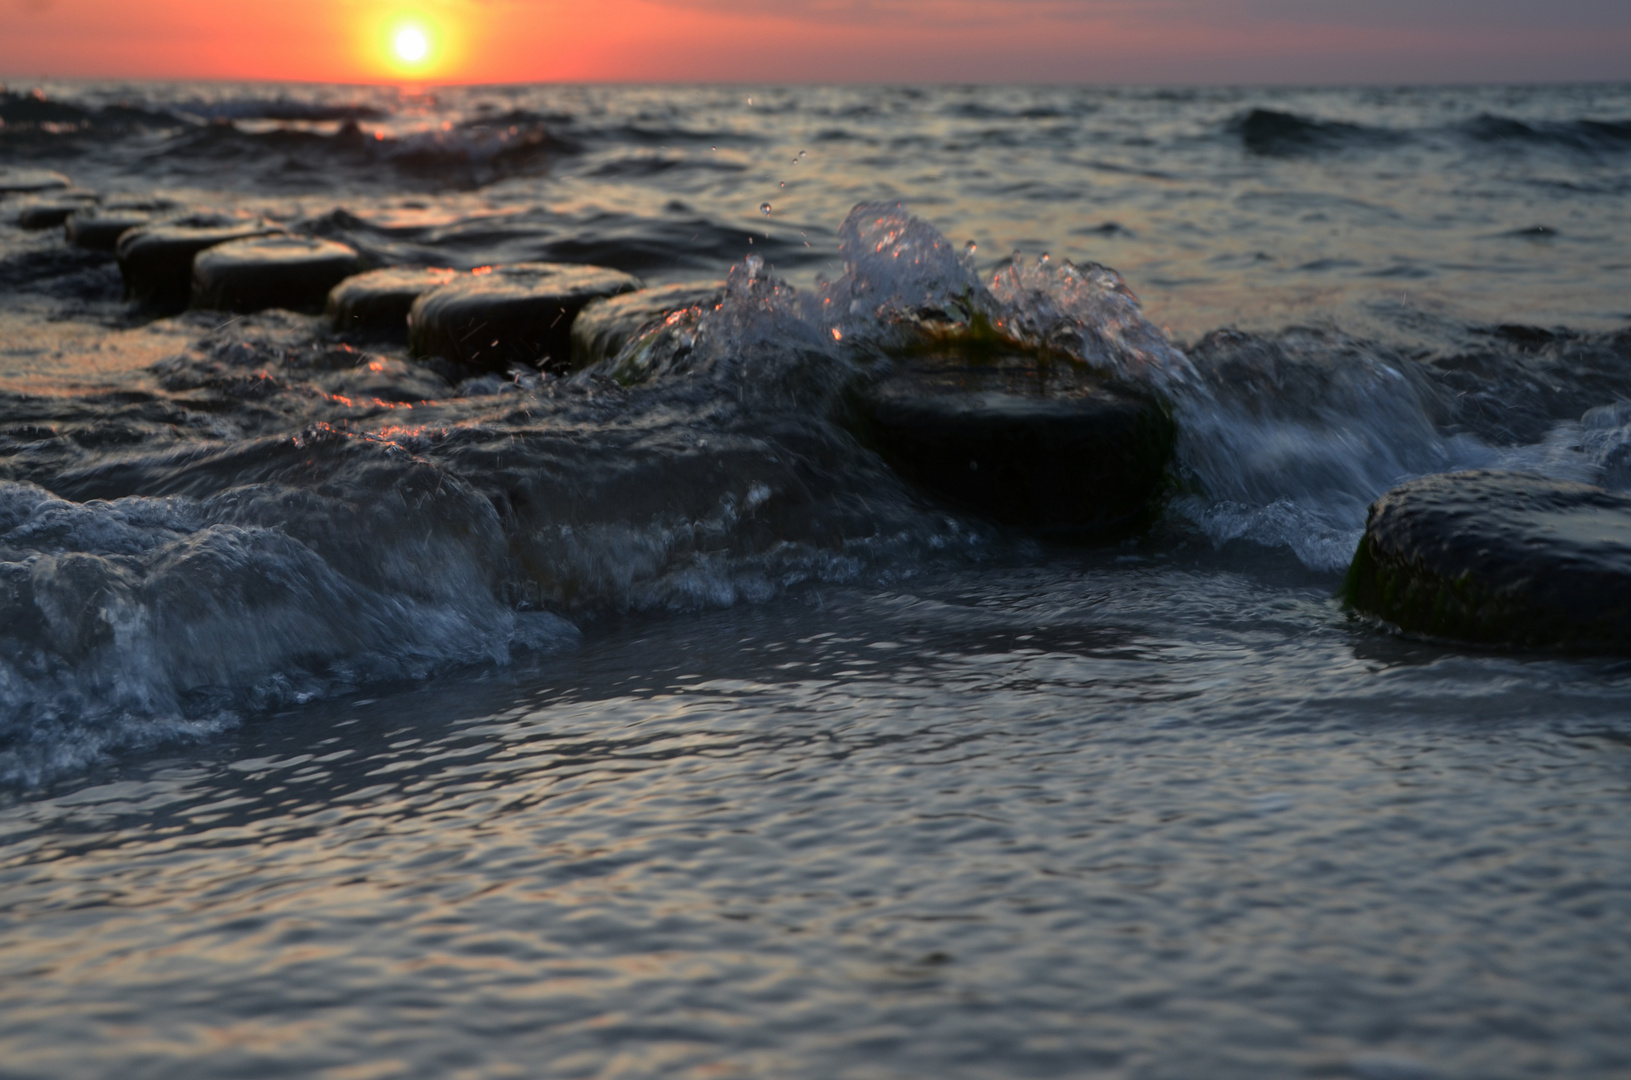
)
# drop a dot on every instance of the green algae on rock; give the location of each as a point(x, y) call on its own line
point(1020, 437)
point(1499, 558)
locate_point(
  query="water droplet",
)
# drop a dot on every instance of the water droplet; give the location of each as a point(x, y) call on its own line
point(784, 183)
point(969, 249)
point(754, 265)
point(801, 154)
point(1042, 260)
point(764, 208)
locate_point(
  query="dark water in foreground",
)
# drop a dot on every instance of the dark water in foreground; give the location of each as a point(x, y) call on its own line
point(359, 723)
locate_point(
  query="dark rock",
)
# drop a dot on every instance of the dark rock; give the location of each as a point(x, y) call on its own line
point(19, 181)
point(52, 210)
point(511, 315)
point(156, 260)
point(602, 328)
point(290, 272)
point(374, 306)
point(100, 227)
point(1499, 558)
point(1033, 441)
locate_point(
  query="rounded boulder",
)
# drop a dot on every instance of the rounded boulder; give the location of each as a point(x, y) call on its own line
point(1023, 440)
point(156, 260)
point(290, 272)
point(374, 306)
point(602, 328)
point(522, 315)
point(1499, 558)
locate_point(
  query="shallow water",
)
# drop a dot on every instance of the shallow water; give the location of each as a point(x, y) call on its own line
point(362, 721)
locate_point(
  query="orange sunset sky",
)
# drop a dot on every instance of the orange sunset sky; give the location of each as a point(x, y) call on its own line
point(1145, 41)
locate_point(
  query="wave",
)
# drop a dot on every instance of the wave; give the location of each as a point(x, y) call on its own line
point(296, 158)
point(282, 516)
point(280, 108)
point(34, 125)
point(1595, 136)
point(1271, 132)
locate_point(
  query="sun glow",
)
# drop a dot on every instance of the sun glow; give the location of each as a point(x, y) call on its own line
point(408, 45)
point(411, 46)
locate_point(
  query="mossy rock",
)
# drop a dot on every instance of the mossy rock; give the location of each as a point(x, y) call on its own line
point(1021, 438)
point(1499, 558)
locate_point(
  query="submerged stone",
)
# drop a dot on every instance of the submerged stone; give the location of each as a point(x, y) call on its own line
point(1032, 441)
point(17, 180)
point(602, 328)
point(510, 315)
point(375, 305)
point(1499, 558)
point(156, 260)
point(100, 227)
point(290, 272)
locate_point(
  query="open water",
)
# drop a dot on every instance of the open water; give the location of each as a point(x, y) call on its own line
point(357, 723)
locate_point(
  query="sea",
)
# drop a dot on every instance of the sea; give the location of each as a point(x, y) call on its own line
point(360, 721)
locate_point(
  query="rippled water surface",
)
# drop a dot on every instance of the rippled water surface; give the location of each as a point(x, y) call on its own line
point(363, 718)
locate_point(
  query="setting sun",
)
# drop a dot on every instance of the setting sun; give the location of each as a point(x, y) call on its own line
point(411, 45)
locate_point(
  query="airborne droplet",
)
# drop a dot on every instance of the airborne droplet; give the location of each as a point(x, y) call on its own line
point(969, 249)
point(764, 208)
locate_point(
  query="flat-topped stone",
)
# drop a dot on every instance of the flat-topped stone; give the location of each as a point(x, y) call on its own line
point(100, 227)
point(21, 180)
point(279, 271)
point(510, 315)
point(1499, 558)
point(52, 209)
point(156, 260)
point(374, 306)
point(1030, 441)
point(602, 328)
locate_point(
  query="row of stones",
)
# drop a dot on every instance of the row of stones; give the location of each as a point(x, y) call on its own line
point(490, 319)
point(1508, 559)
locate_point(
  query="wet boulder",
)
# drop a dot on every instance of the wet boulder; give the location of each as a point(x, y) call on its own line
point(1499, 558)
point(290, 272)
point(522, 315)
point(100, 227)
point(374, 306)
point(156, 260)
point(20, 180)
point(1023, 439)
point(48, 211)
point(602, 328)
